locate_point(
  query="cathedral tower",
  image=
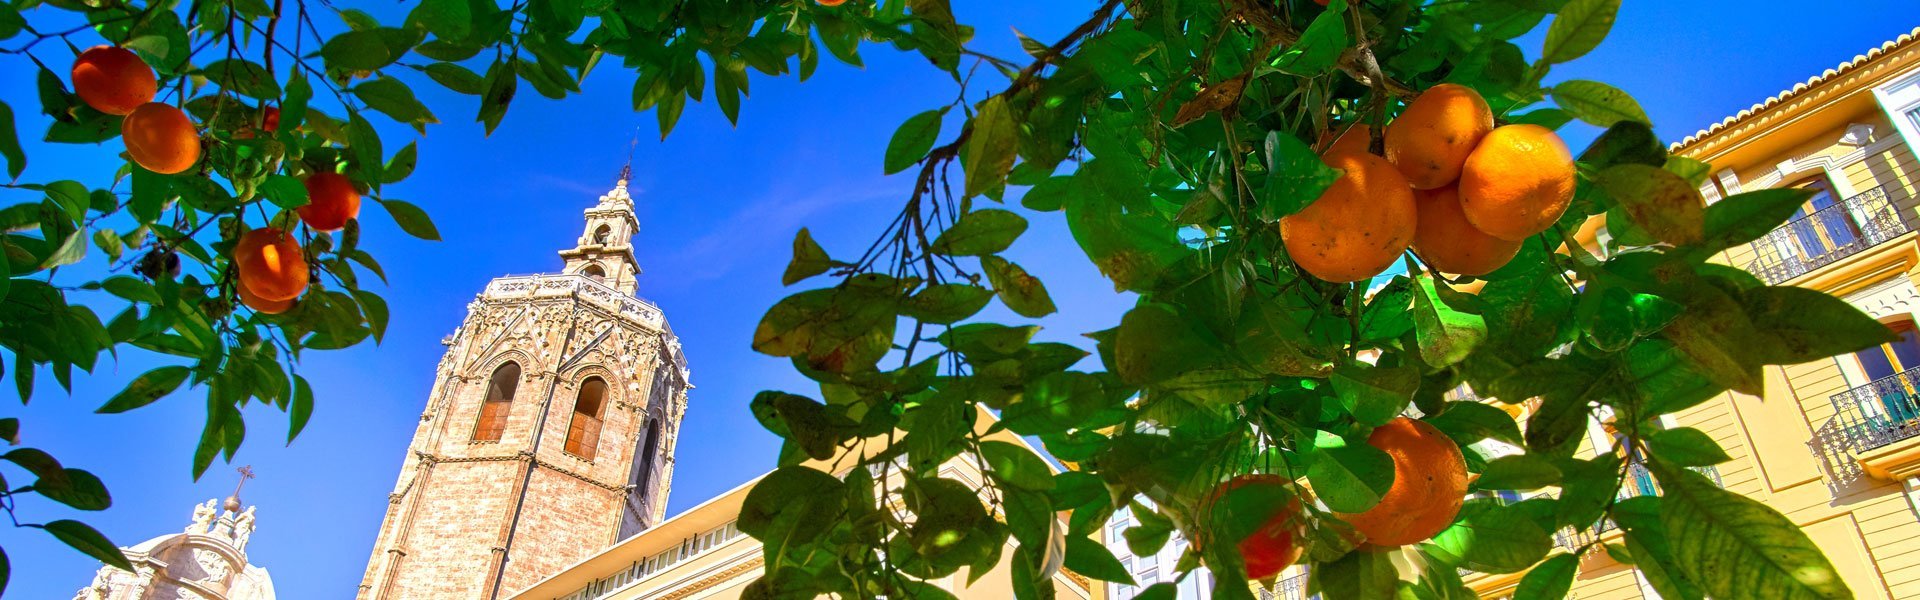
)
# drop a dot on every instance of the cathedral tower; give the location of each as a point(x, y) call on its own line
point(548, 434)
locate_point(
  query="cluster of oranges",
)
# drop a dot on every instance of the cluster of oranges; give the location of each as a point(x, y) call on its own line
point(1459, 191)
point(271, 265)
point(159, 137)
point(1429, 487)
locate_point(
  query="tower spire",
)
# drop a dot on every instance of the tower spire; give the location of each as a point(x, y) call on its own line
point(626, 171)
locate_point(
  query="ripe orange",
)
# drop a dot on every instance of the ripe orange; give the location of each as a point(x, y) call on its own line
point(331, 202)
point(1449, 243)
point(1356, 140)
point(113, 80)
point(272, 307)
point(270, 119)
point(271, 264)
point(832, 2)
point(160, 138)
point(1358, 226)
point(1276, 544)
point(1432, 138)
point(1429, 485)
point(1517, 182)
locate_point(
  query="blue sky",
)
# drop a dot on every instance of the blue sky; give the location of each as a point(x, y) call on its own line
point(718, 206)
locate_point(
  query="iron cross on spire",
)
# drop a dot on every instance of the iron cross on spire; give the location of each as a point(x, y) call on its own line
point(246, 472)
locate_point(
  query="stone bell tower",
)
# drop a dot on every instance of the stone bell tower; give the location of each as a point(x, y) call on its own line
point(548, 434)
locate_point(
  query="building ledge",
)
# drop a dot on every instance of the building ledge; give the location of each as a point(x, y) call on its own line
point(1895, 462)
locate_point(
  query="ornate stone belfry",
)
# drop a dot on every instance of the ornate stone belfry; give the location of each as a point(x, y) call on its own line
point(548, 433)
point(605, 248)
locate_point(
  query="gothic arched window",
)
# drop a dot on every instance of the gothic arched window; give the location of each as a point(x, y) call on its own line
point(600, 235)
point(583, 434)
point(649, 452)
point(493, 412)
point(594, 272)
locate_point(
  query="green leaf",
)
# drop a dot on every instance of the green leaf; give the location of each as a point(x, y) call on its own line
point(1597, 103)
point(457, 78)
point(1089, 558)
point(293, 110)
point(1374, 395)
point(243, 77)
point(1361, 574)
point(980, 233)
point(1295, 177)
point(791, 508)
point(911, 142)
point(809, 259)
point(70, 251)
point(284, 191)
point(16, 160)
point(88, 541)
point(146, 388)
point(1587, 488)
point(300, 409)
point(1687, 447)
point(1743, 218)
point(1494, 538)
point(1518, 472)
point(375, 309)
point(1469, 422)
point(1446, 335)
point(501, 86)
point(946, 303)
point(1805, 325)
point(364, 143)
point(363, 50)
point(1657, 200)
point(79, 489)
point(390, 96)
point(1736, 547)
point(991, 146)
point(1578, 29)
point(1552, 578)
point(401, 165)
point(1023, 293)
point(411, 219)
point(446, 19)
point(1350, 478)
point(1017, 466)
point(1320, 45)
point(1626, 142)
point(1152, 532)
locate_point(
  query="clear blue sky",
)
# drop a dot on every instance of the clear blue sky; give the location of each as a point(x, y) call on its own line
point(718, 207)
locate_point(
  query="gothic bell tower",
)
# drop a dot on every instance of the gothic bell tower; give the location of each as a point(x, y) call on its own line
point(549, 431)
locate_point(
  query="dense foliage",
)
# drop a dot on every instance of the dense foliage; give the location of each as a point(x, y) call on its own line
point(1170, 134)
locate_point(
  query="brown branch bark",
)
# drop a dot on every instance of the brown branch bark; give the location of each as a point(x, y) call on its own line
point(1358, 63)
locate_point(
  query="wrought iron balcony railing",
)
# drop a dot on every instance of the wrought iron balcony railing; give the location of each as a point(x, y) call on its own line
point(1291, 588)
point(1862, 221)
point(1879, 413)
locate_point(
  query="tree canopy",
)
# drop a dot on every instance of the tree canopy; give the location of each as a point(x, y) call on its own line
point(1171, 136)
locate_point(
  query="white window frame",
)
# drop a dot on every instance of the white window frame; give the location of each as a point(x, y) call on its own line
point(1896, 99)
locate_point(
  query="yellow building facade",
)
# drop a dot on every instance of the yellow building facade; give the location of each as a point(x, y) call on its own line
point(700, 554)
point(1834, 444)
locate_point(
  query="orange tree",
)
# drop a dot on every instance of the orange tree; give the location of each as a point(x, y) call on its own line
point(1258, 397)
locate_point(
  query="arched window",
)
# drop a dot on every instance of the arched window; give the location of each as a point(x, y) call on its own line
point(583, 434)
point(649, 452)
point(594, 272)
point(493, 412)
point(600, 235)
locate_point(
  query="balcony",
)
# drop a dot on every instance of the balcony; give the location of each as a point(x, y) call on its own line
point(1826, 236)
point(1867, 421)
point(1290, 588)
